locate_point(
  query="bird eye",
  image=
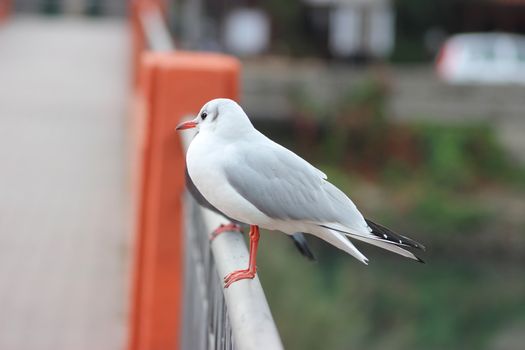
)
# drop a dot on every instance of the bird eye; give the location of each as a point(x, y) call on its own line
point(204, 115)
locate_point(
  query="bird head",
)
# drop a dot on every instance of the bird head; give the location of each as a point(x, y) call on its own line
point(221, 116)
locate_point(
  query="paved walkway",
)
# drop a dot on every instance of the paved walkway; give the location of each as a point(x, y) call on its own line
point(63, 200)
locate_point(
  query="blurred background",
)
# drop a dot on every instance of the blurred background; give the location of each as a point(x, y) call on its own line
point(415, 109)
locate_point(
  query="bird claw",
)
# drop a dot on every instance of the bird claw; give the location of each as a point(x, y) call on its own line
point(238, 275)
point(225, 228)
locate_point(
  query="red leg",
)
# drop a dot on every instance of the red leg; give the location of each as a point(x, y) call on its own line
point(225, 228)
point(252, 268)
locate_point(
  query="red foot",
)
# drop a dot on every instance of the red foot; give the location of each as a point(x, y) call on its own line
point(238, 275)
point(252, 267)
point(225, 228)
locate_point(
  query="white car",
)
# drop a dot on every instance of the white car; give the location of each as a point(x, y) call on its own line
point(482, 58)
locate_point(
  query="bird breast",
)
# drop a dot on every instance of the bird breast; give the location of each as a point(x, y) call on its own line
point(205, 161)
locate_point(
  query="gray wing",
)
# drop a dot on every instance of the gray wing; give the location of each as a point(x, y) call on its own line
point(284, 186)
point(298, 238)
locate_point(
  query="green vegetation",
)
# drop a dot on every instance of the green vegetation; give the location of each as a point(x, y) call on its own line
point(452, 187)
point(390, 304)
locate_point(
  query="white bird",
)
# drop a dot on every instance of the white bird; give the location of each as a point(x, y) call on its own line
point(298, 238)
point(254, 180)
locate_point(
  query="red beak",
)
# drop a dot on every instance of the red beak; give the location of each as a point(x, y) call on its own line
point(186, 125)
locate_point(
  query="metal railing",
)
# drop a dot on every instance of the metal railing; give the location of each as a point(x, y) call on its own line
point(216, 318)
point(156, 31)
point(212, 317)
point(206, 322)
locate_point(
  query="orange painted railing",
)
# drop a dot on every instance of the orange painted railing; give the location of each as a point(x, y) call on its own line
point(5, 9)
point(168, 87)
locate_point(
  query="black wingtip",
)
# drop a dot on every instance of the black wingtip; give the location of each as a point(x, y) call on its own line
point(395, 238)
point(419, 260)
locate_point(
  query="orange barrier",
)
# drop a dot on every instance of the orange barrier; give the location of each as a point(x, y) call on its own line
point(170, 86)
point(5, 9)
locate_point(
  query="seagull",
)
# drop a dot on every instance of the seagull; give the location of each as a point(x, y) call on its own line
point(254, 180)
point(298, 237)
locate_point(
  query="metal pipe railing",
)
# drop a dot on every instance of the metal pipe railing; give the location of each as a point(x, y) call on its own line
point(205, 323)
point(156, 31)
point(211, 317)
point(235, 318)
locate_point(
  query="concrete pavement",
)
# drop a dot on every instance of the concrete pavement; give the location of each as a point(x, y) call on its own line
point(64, 213)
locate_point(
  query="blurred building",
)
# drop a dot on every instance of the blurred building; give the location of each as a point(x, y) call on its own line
point(330, 28)
point(76, 7)
point(246, 31)
point(357, 28)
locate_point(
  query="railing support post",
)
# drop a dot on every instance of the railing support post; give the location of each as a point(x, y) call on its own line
point(173, 85)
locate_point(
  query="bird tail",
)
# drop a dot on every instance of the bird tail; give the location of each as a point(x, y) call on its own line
point(382, 237)
point(387, 246)
point(338, 240)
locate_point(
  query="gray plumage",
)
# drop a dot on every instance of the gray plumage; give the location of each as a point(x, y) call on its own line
point(289, 188)
point(298, 238)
